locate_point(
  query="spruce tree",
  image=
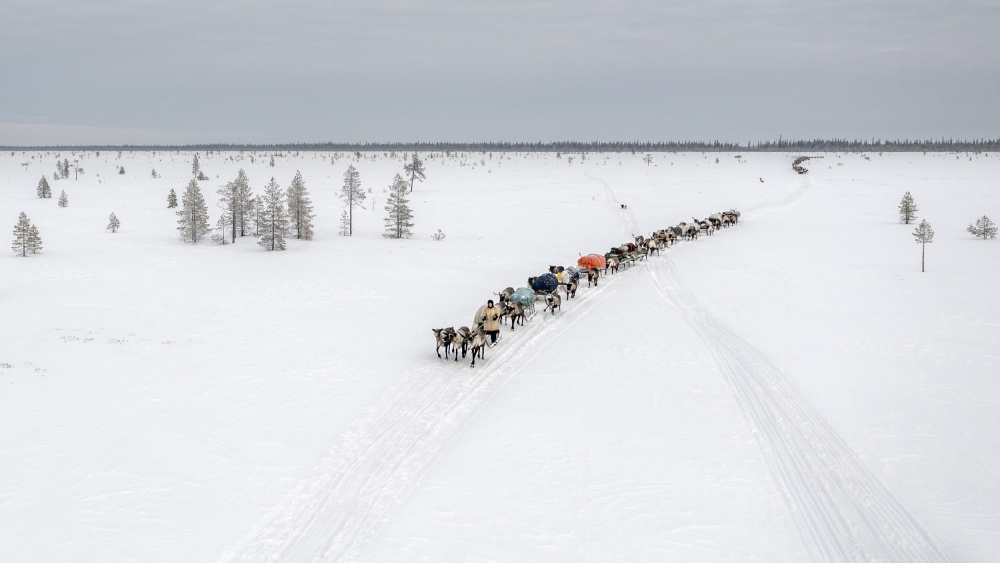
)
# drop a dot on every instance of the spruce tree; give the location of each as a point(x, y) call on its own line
point(63, 199)
point(352, 194)
point(44, 191)
point(415, 169)
point(984, 228)
point(399, 220)
point(22, 236)
point(34, 240)
point(300, 208)
point(113, 223)
point(907, 209)
point(274, 217)
point(193, 223)
point(924, 235)
point(171, 199)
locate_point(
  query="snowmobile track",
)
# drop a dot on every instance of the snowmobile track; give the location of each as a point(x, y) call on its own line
point(334, 514)
point(843, 511)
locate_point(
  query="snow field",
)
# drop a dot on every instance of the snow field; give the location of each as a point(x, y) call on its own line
point(199, 401)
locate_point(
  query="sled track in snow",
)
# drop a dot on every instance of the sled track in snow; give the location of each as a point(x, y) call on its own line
point(334, 514)
point(842, 510)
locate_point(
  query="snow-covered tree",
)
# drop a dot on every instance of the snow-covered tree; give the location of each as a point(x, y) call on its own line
point(26, 237)
point(245, 204)
point(399, 220)
point(63, 199)
point(300, 208)
point(44, 191)
point(171, 199)
point(984, 228)
point(193, 223)
point(907, 209)
point(121, 169)
point(274, 217)
point(230, 204)
point(155, 175)
point(924, 235)
point(34, 240)
point(345, 224)
point(352, 195)
point(223, 225)
point(415, 169)
point(195, 166)
point(113, 223)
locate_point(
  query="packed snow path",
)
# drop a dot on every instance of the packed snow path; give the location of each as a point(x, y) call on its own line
point(335, 513)
point(842, 510)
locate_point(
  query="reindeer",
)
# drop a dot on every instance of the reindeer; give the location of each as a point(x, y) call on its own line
point(504, 295)
point(612, 264)
point(443, 338)
point(639, 240)
point(556, 270)
point(461, 341)
point(571, 286)
point(653, 246)
point(592, 275)
point(553, 302)
point(478, 345)
point(515, 312)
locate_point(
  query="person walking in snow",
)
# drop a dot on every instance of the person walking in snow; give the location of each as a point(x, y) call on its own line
point(491, 321)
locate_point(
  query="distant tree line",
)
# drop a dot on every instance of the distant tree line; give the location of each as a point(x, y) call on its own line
point(816, 145)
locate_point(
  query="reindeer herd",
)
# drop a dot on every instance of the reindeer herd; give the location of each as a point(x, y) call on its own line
point(518, 305)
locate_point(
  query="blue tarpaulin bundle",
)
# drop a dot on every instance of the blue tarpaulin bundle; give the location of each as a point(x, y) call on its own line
point(523, 295)
point(545, 282)
point(574, 274)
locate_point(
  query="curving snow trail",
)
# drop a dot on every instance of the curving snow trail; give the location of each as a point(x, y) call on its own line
point(341, 508)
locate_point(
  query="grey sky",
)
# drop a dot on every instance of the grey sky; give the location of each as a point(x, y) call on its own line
point(178, 71)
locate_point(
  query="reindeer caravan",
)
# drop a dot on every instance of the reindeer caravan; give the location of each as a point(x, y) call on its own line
point(517, 306)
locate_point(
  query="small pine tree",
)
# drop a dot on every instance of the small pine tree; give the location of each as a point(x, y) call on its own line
point(195, 166)
point(113, 223)
point(415, 169)
point(63, 199)
point(223, 225)
point(352, 195)
point(44, 191)
point(345, 224)
point(399, 220)
point(230, 203)
point(155, 175)
point(274, 218)
point(984, 228)
point(171, 199)
point(907, 209)
point(272, 161)
point(34, 240)
point(924, 235)
point(193, 223)
point(300, 208)
point(22, 236)
point(438, 235)
point(121, 169)
point(244, 204)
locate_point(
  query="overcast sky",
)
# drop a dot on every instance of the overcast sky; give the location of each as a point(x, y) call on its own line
point(185, 71)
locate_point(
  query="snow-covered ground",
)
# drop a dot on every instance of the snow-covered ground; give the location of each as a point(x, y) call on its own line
point(790, 389)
